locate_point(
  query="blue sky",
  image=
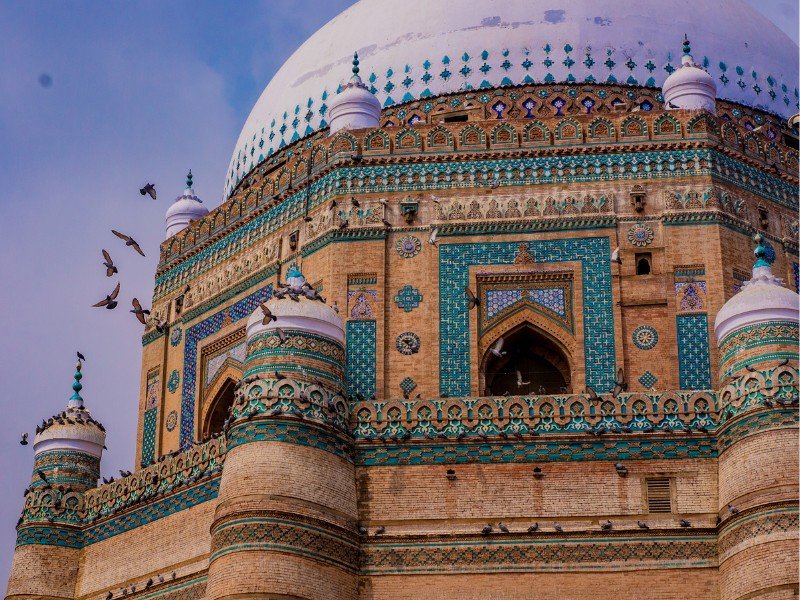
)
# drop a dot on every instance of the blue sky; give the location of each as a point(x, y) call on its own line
point(140, 91)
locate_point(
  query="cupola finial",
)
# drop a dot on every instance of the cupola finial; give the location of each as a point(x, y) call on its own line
point(75, 401)
point(355, 64)
point(189, 180)
point(763, 257)
point(687, 50)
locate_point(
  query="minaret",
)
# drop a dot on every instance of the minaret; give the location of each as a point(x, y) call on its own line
point(354, 107)
point(757, 334)
point(186, 208)
point(690, 87)
point(285, 524)
point(67, 452)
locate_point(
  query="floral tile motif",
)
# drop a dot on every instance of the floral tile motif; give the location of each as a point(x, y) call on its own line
point(645, 337)
point(172, 420)
point(362, 303)
point(408, 246)
point(175, 336)
point(173, 381)
point(408, 298)
point(641, 234)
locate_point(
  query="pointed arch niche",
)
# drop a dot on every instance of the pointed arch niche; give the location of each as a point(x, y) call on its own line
point(532, 308)
point(221, 366)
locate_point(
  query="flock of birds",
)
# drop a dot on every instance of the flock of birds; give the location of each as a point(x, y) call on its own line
point(110, 302)
point(605, 525)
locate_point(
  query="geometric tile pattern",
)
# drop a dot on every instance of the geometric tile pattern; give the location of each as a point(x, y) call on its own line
point(408, 385)
point(457, 174)
point(694, 362)
point(777, 521)
point(648, 380)
point(453, 452)
point(173, 381)
point(150, 422)
point(490, 555)
point(258, 533)
point(231, 314)
point(598, 315)
point(551, 298)
point(361, 361)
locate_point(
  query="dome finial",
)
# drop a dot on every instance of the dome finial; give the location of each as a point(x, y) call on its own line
point(189, 180)
point(687, 50)
point(355, 64)
point(75, 401)
point(763, 257)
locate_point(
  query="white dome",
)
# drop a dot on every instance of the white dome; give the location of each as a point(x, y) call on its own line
point(418, 48)
point(304, 314)
point(762, 299)
point(187, 207)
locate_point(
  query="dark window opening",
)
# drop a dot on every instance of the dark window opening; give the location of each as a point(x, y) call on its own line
point(529, 363)
point(456, 119)
point(179, 305)
point(220, 408)
point(763, 219)
point(791, 141)
point(644, 263)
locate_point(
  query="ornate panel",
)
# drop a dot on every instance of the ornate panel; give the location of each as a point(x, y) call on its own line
point(362, 296)
point(598, 317)
point(694, 361)
point(361, 358)
point(150, 418)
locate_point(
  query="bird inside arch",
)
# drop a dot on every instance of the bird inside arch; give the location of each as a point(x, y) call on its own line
point(525, 361)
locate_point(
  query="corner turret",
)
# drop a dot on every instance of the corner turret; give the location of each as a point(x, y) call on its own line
point(757, 333)
point(67, 452)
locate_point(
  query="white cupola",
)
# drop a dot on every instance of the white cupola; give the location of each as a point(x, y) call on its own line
point(186, 208)
point(690, 87)
point(354, 107)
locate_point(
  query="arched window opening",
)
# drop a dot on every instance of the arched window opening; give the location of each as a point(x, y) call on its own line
point(643, 264)
point(526, 362)
point(220, 407)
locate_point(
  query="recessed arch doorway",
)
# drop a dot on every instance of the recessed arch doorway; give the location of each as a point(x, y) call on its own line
point(525, 360)
point(219, 408)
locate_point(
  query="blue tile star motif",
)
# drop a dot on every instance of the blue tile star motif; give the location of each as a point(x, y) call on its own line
point(408, 298)
point(408, 385)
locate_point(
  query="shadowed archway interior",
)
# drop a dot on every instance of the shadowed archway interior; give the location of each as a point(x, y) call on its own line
point(220, 407)
point(526, 362)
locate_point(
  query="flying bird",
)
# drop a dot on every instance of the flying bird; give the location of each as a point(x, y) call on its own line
point(110, 301)
point(268, 316)
point(354, 202)
point(472, 298)
point(281, 335)
point(497, 349)
point(521, 383)
point(432, 238)
point(129, 241)
point(148, 189)
point(24, 440)
point(620, 385)
point(593, 397)
point(109, 264)
point(615, 256)
point(139, 311)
